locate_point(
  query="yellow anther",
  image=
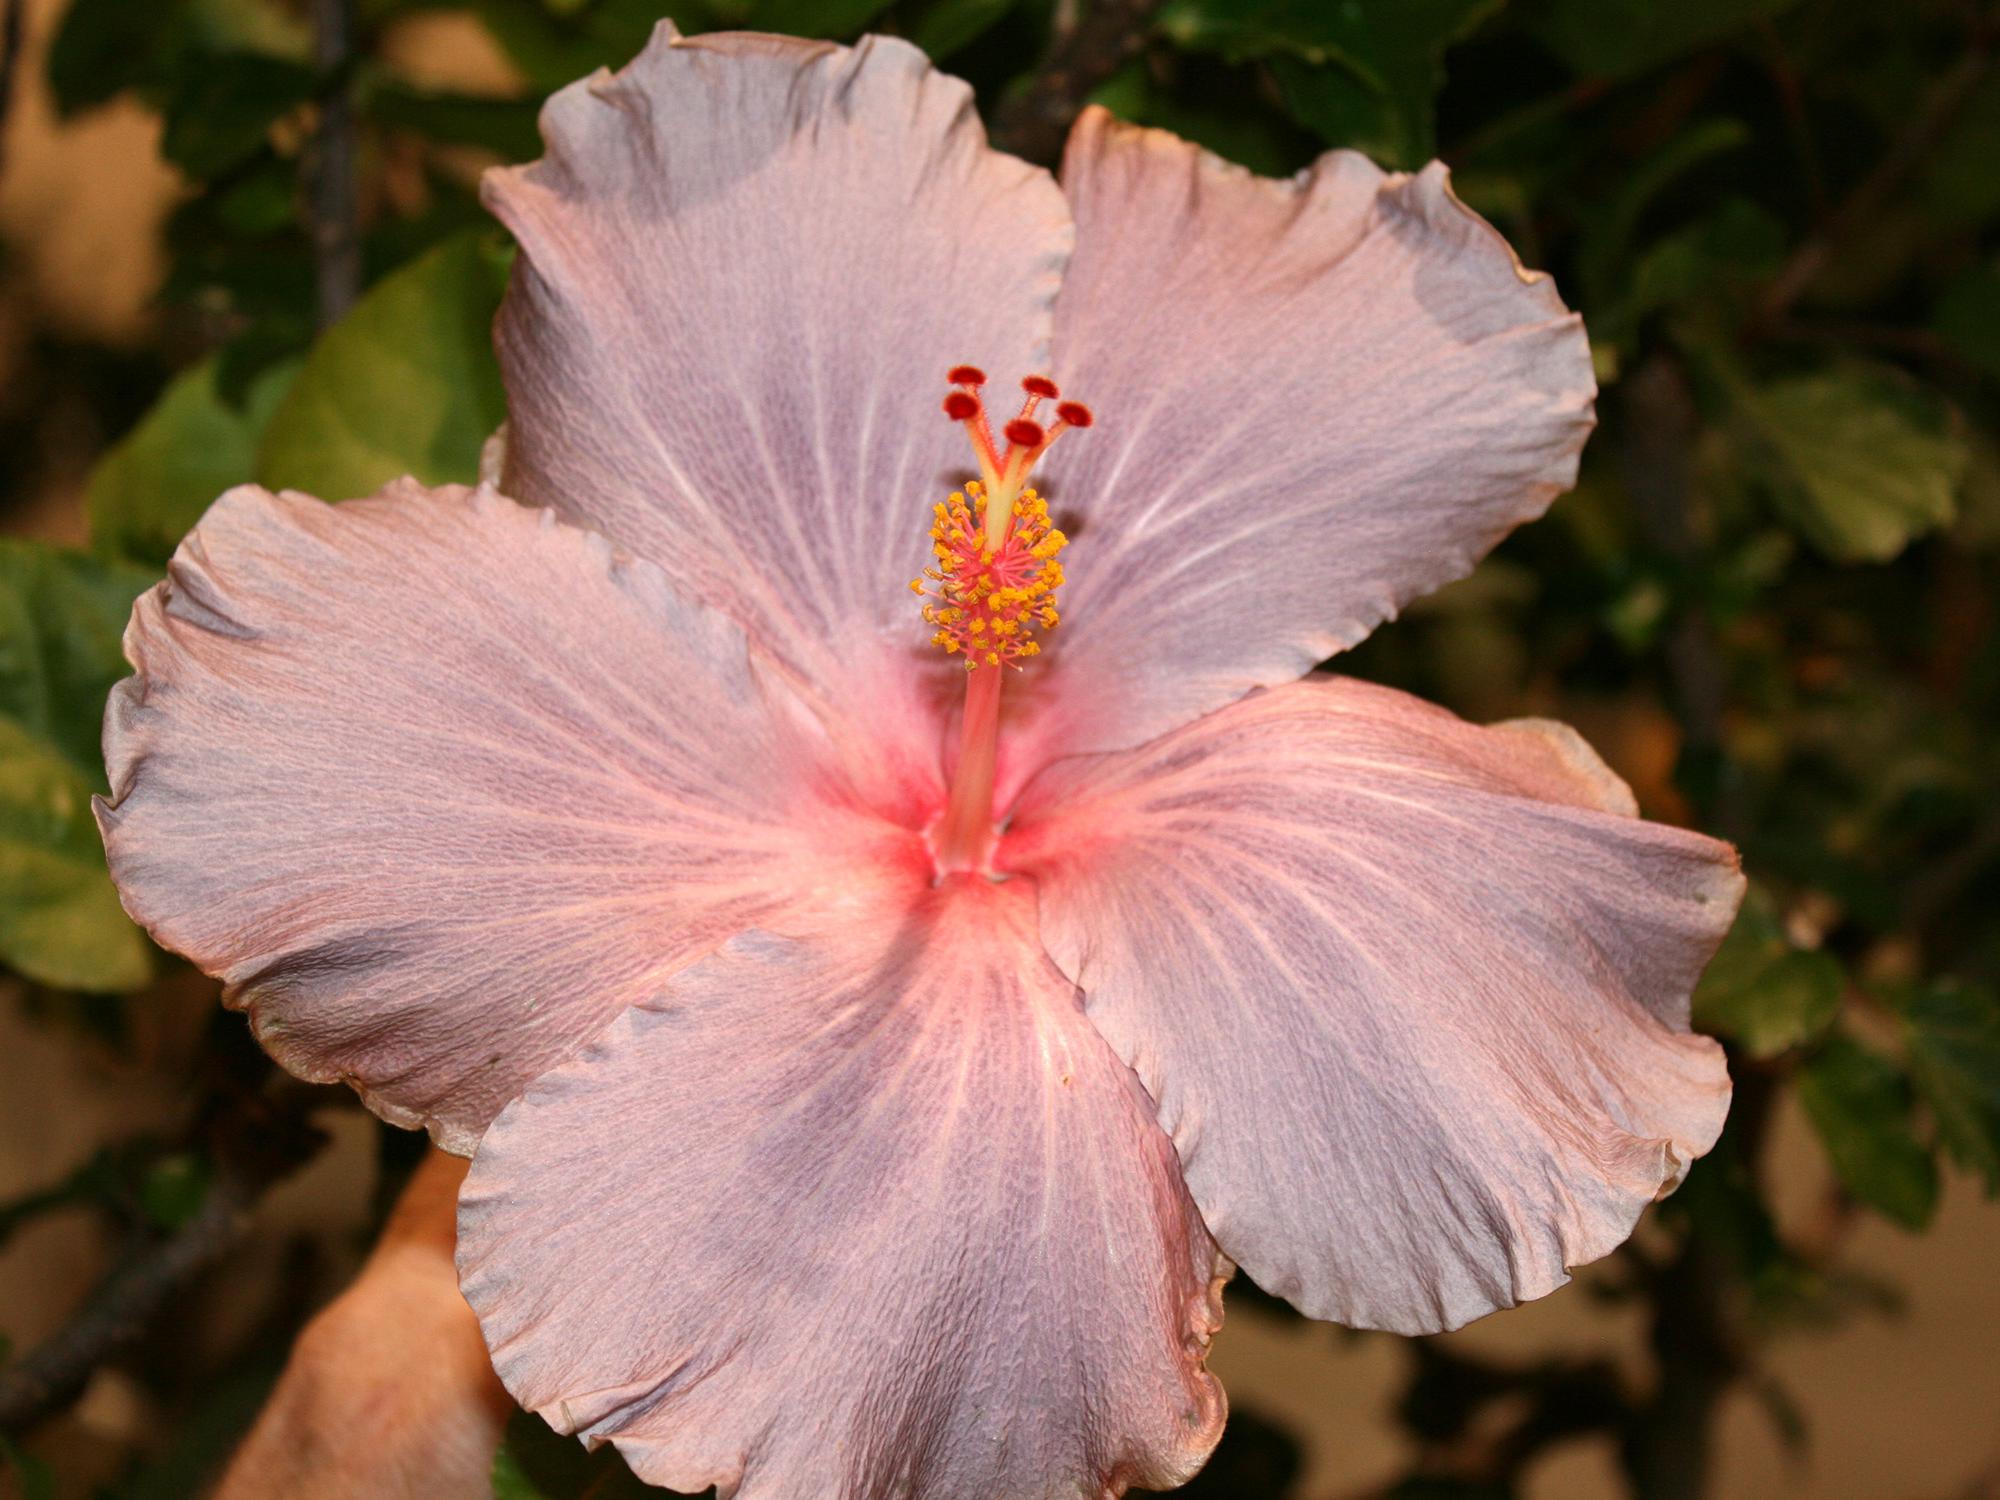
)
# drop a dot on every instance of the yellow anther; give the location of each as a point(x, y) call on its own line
point(987, 599)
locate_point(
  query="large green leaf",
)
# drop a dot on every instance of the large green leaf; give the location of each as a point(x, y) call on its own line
point(828, 18)
point(553, 48)
point(943, 27)
point(1719, 256)
point(149, 490)
point(406, 383)
point(1616, 38)
point(104, 47)
point(506, 126)
point(61, 619)
point(1861, 459)
point(1362, 74)
point(221, 109)
point(554, 44)
point(62, 622)
point(1968, 317)
point(1953, 1037)
point(1860, 1105)
point(60, 921)
point(1606, 258)
point(1761, 992)
point(1207, 108)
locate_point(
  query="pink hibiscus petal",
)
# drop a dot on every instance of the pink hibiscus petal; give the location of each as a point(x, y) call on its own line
point(438, 786)
point(748, 262)
point(1316, 400)
point(1412, 995)
point(870, 1211)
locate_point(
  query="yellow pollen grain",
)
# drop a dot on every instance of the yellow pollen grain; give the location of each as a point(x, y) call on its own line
point(993, 585)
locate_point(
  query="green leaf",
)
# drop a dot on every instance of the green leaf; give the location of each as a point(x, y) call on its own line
point(277, 28)
point(406, 383)
point(537, 1463)
point(260, 202)
point(33, 1478)
point(62, 616)
point(62, 625)
point(149, 490)
point(1760, 991)
point(1958, 185)
point(1860, 1106)
point(222, 108)
point(817, 18)
point(944, 27)
point(1952, 1033)
point(1362, 74)
point(1739, 243)
point(506, 126)
point(1616, 38)
point(104, 47)
point(554, 49)
point(60, 921)
point(1968, 317)
point(173, 1189)
point(1606, 255)
point(1344, 109)
point(1860, 458)
point(1208, 103)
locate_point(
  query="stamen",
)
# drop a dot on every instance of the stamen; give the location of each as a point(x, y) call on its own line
point(986, 603)
point(995, 575)
point(992, 588)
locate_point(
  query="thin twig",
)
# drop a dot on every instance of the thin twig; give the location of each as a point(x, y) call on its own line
point(336, 234)
point(1659, 421)
point(1667, 1439)
point(1933, 117)
point(1035, 122)
point(256, 1139)
point(1786, 83)
point(120, 1311)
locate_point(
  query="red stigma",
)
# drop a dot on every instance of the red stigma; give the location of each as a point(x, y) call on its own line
point(961, 406)
point(1023, 433)
point(1042, 386)
point(966, 375)
point(1075, 414)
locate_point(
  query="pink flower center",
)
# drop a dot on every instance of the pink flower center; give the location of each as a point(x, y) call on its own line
point(992, 586)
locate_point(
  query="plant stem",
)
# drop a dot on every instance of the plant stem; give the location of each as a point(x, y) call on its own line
point(336, 235)
point(1035, 122)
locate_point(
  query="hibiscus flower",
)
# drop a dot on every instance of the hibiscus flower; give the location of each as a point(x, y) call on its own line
point(874, 1056)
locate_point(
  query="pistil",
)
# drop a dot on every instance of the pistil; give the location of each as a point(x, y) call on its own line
point(993, 586)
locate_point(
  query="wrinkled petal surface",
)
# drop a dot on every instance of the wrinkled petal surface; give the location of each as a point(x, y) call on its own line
point(1316, 400)
point(747, 263)
point(438, 785)
point(869, 1211)
point(1412, 995)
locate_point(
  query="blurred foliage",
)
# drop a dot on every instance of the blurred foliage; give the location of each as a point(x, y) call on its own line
point(61, 616)
point(1771, 594)
point(404, 384)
